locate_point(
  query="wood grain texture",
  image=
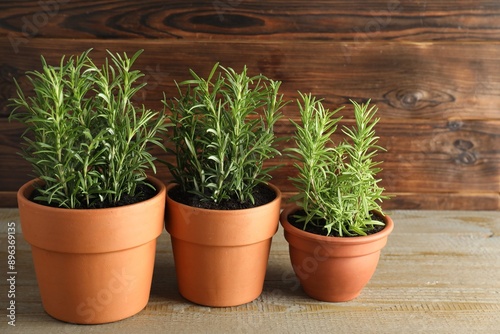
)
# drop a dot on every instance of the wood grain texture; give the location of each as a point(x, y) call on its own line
point(431, 68)
point(407, 81)
point(438, 273)
point(250, 19)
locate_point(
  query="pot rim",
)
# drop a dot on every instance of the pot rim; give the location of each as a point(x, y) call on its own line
point(91, 230)
point(222, 227)
point(27, 189)
point(270, 185)
point(389, 226)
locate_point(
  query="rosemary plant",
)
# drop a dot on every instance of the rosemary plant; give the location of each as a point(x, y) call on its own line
point(223, 131)
point(338, 191)
point(85, 139)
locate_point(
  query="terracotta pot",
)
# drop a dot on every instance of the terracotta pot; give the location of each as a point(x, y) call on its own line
point(221, 255)
point(93, 265)
point(333, 269)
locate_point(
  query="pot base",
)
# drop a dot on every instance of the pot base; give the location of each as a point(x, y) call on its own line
point(94, 288)
point(221, 276)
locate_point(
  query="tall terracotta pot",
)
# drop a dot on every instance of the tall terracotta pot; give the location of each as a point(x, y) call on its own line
point(333, 269)
point(221, 255)
point(93, 265)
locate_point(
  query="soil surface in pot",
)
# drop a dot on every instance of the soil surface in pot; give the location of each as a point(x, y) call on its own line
point(262, 195)
point(143, 193)
point(293, 217)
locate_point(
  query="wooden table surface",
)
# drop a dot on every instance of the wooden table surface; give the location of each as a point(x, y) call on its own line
point(439, 273)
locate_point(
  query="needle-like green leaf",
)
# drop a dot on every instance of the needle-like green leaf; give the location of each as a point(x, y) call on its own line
point(223, 131)
point(336, 181)
point(89, 142)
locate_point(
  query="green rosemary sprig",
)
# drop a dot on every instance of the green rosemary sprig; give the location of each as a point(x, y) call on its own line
point(85, 139)
point(223, 130)
point(337, 186)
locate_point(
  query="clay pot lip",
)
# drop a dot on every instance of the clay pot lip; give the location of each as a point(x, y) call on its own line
point(89, 231)
point(214, 227)
point(389, 226)
point(26, 189)
point(229, 212)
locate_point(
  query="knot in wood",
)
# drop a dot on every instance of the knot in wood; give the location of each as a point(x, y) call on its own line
point(466, 158)
point(416, 98)
point(226, 20)
point(410, 99)
point(463, 145)
point(455, 125)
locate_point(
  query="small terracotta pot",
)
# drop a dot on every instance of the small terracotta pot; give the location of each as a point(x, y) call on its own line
point(333, 269)
point(221, 255)
point(93, 265)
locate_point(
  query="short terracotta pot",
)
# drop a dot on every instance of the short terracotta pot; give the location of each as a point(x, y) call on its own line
point(221, 255)
point(93, 265)
point(333, 269)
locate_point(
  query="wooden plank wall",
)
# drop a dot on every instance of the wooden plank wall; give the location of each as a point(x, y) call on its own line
point(432, 67)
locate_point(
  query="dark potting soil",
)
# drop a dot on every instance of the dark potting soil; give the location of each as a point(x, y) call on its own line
point(142, 193)
point(292, 218)
point(262, 195)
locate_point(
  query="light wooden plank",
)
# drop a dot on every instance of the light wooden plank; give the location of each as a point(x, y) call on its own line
point(438, 273)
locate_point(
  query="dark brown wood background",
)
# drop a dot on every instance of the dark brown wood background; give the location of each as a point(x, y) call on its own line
point(432, 68)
